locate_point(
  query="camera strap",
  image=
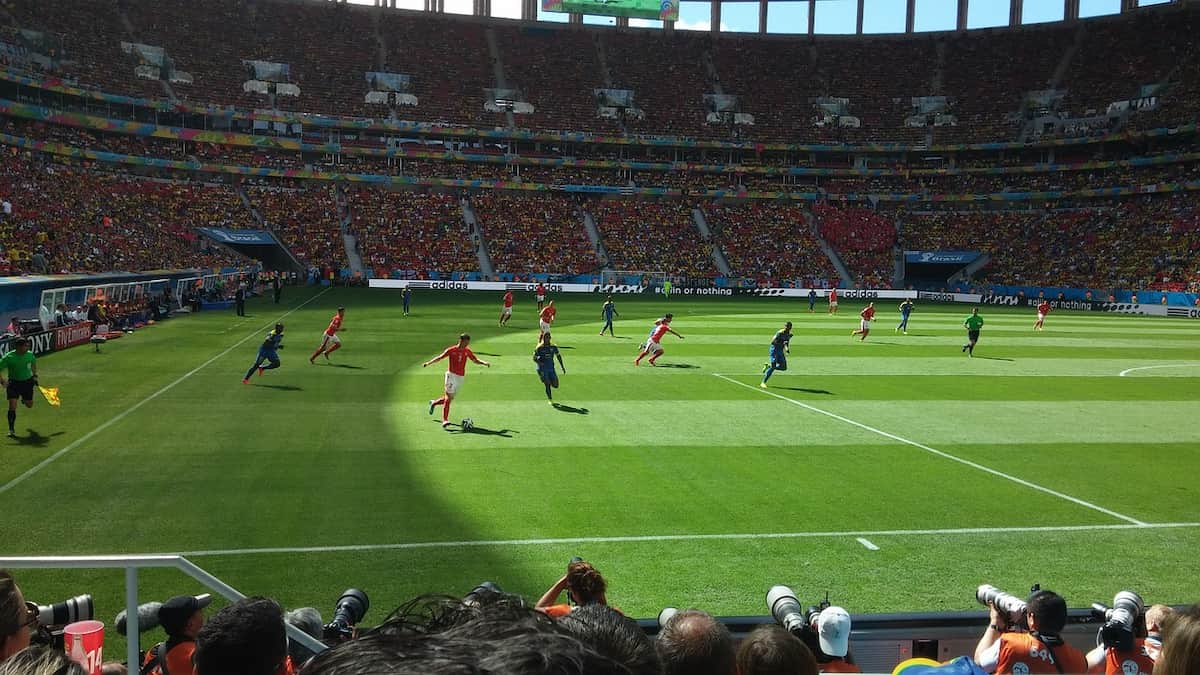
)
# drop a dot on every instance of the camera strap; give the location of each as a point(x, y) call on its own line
point(158, 663)
point(1046, 641)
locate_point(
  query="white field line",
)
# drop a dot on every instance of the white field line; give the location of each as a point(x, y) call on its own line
point(1169, 365)
point(125, 413)
point(867, 544)
point(653, 538)
point(939, 453)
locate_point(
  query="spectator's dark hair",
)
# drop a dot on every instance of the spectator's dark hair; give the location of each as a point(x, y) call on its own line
point(444, 636)
point(40, 661)
point(694, 643)
point(771, 650)
point(615, 636)
point(1181, 644)
point(585, 582)
point(1050, 610)
point(245, 638)
point(11, 611)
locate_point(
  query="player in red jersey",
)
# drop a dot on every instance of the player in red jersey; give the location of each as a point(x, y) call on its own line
point(864, 327)
point(330, 341)
point(546, 317)
point(506, 311)
point(653, 346)
point(833, 301)
point(456, 372)
point(540, 293)
point(1043, 310)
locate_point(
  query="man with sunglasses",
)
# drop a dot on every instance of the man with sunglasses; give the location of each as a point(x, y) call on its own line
point(18, 619)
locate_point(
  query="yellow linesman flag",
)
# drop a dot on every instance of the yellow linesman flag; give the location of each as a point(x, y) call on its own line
point(51, 395)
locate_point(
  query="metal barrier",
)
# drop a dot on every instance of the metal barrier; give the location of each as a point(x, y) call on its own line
point(131, 564)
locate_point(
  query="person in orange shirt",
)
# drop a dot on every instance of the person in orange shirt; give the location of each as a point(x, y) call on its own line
point(1041, 650)
point(456, 372)
point(1141, 657)
point(181, 617)
point(546, 317)
point(833, 638)
point(330, 342)
point(583, 584)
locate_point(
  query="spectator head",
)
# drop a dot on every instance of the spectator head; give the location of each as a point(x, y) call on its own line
point(40, 661)
point(1181, 644)
point(585, 584)
point(1047, 612)
point(771, 650)
point(245, 638)
point(308, 620)
point(16, 623)
point(693, 642)
point(1156, 617)
point(615, 636)
point(833, 631)
point(183, 615)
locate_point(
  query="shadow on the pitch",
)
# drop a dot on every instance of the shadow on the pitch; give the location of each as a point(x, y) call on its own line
point(281, 387)
point(482, 431)
point(34, 439)
point(622, 337)
point(347, 365)
point(994, 358)
point(570, 409)
point(675, 365)
point(881, 342)
point(564, 347)
point(826, 392)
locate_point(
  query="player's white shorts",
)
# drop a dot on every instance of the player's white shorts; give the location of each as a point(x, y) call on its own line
point(506, 312)
point(330, 340)
point(1040, 316)
point(653, 347)
point(453, 383)
point(541, 298)
point(833, 303)
point(544, 326)
point(863, 325)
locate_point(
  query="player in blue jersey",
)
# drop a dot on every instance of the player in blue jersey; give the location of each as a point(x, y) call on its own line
point(905, 309)
point(544, 357)
point(778, 355)
point(267, 351)
point(608, 311)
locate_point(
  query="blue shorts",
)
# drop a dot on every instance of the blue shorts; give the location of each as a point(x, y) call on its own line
point(778, 359)
point(271, 355)
point(548, 376)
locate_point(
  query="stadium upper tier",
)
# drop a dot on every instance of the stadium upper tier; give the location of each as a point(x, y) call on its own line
point(1005, 85)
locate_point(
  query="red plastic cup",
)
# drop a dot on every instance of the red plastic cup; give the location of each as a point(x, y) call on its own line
point(84, 642)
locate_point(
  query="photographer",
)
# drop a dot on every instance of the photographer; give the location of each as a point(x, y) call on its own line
point(1040, 650)
point(583, 584)
point(182, 618)
point(17, 621)
point(1144, 654)
point(833, 637)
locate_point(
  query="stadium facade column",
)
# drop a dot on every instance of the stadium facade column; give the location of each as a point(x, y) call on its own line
point(715, 17)
point(1071, 10)
point(812, 17)
point(1015, 10)
point(762, 16)
point(910, 14)
point(962, 14)
point(858, 22)
point(1128, 5)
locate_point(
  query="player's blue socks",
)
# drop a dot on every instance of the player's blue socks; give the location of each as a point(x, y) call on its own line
point(547, 385)
point(767, 375)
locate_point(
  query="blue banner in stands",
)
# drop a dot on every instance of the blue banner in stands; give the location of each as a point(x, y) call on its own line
point(255, 237)
point(941, 257)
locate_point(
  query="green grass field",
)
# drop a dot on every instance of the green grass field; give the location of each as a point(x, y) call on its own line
point(686, 485)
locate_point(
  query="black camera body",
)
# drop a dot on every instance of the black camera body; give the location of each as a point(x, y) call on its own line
point(1120, 620)
point(351, 607)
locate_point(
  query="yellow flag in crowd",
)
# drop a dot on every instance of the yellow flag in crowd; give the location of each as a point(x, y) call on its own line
point(51, 395)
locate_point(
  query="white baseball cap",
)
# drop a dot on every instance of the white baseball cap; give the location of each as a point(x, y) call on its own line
point(833, 631)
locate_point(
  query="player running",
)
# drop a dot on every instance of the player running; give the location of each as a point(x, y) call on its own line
point(1043, 309)
point(864, 326)
point(330, 341)
point(833, 301)
point(812, 300)
point(973, 323)
point(780, 348)
point(406, 297)
point(21, 366)
point(607, 312)
point(544, 357)
point(905, 309)
point(540, 294)
point(267, 351)
point(456, 371)
point(653, 346)
point(506, 310)
point(546, 317)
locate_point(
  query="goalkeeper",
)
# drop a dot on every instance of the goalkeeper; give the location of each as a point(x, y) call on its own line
point(20, 365)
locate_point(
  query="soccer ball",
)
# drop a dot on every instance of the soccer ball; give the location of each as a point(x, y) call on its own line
point(468, 424)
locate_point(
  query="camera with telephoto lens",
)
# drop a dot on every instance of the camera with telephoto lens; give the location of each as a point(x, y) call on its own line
point(786, 609)
point(52, 618)
point(480, 592)
point(1012, 607)
point(1120, 620)
point(350, 609)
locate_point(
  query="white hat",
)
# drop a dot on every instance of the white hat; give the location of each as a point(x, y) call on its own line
point(833, 631)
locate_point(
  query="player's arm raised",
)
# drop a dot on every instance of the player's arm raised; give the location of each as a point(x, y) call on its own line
point(437, 358)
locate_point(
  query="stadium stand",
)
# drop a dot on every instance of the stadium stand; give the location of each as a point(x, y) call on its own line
point(771, 243)
point(412, 233)
point(652, 236)
point(534, 235)
point(863, 238)
point(306, 220)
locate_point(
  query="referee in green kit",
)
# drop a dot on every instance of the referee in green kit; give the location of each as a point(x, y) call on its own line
point(973, 323)
point(21, 367)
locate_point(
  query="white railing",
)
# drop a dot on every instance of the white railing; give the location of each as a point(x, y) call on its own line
point(131, 564)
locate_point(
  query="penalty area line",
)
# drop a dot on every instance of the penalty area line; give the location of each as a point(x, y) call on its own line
point(653, 538)
point(939, 453)
point(125, 413)
point(1125, 372)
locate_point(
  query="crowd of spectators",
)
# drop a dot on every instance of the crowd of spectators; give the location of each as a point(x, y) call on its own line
point(864, 238)
point(306, 220)
point(411, 232)
point(653, 236)
point(771, 243)
point(534, 234)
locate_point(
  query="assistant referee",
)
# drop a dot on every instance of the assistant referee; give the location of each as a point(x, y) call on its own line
point(21, 367)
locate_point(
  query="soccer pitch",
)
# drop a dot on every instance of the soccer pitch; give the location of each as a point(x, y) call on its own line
point(896, 474)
